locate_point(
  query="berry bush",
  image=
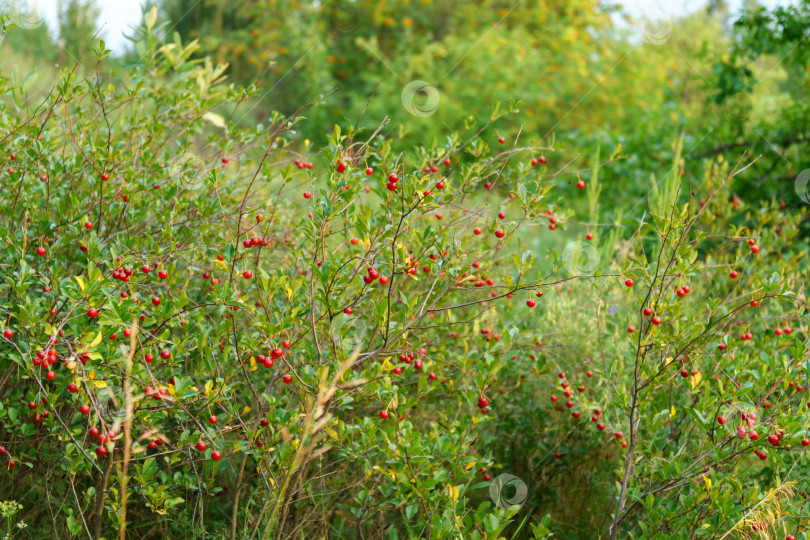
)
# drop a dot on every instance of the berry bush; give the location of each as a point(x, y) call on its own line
point(214, 330)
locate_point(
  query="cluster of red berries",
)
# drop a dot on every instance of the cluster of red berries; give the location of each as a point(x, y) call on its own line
point(255, 241)
point(303, 164)
point(392, 182)
point(273, 355)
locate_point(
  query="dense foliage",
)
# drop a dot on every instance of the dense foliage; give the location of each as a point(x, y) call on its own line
point(212, 329)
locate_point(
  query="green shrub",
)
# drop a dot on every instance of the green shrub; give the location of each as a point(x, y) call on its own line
point(273, 342)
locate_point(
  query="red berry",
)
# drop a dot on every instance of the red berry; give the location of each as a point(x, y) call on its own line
point(628, 282)
point(287, 378)
point(247, 274)
point(530, 303)
point(92, 313)
point(8, 333)
point(212, 419)
point(101, 451)
point(216, 455)
point(383, 414)
point(201, 446)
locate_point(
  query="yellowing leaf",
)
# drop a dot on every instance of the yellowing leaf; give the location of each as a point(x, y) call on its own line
point(253, 366)
point(708, 482)
point(95, 342)
point(221, 264)
point(215, 119)
point(80, 281)
point(99, 384)
point(695, 380)
point(672, 412)
point(246, 410)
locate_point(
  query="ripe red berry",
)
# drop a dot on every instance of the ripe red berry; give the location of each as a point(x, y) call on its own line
point(647, 311)
point(734, 274)
point(589, 236)
point(369, 171)
point(88, 225)
point(499, 233)
point(201, 446)
point(8, 333)
point(656, 320)
point(629, 282)
point(541, 159)
point(477, 230)
point(72, 388)
point(41, 251)
point(247, 274)
point(212, 419)
point(287, 378)
point(530, 303)
point(216, 455)
point(155, 301)
point(101, 451)
point(92, 313)
point(721, 420)
point(348, 311)
point(163, 274)
point(383, 414)
point(105, 176)
point(165, 354)
point(307, 195)
point(581, 184)
point(85, 409)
